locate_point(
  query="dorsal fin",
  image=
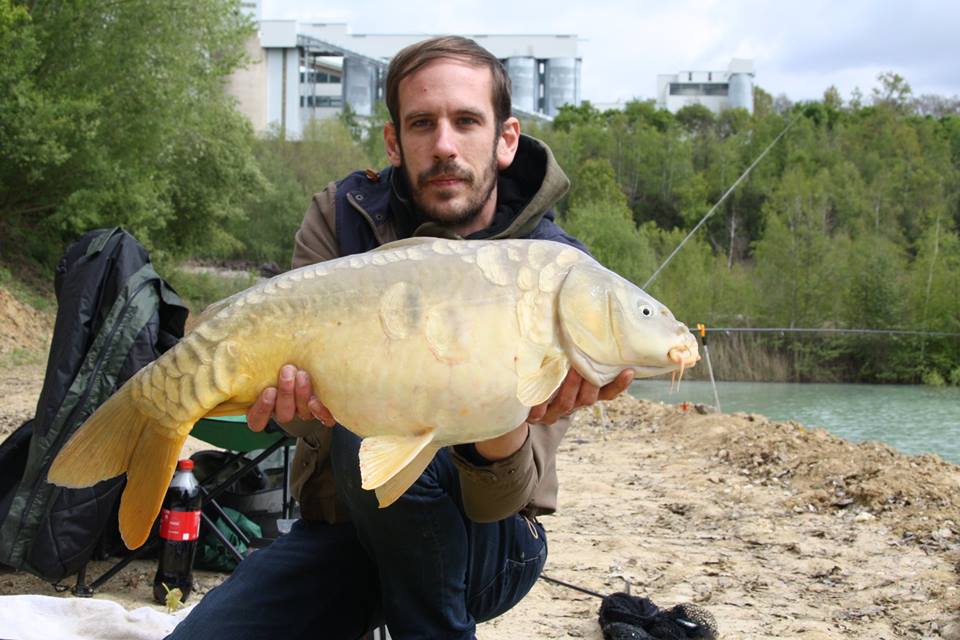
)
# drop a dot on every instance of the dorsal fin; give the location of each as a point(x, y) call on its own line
point(406, 242)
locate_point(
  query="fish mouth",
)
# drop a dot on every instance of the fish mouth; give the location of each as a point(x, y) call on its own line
point(683, 356)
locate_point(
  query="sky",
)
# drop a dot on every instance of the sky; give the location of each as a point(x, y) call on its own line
point(799, 49)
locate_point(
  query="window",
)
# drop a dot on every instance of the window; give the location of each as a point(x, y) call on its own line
point(319, 77)
point(315, 102)
point(699, 89)
point(329, 101)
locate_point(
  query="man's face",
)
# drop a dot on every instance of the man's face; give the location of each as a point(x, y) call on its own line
point(447, 143)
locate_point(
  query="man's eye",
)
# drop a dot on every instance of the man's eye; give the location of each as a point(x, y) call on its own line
point(467, 121)
point(420, 124)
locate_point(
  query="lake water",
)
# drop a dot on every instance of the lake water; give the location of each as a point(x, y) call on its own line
point(911, 418)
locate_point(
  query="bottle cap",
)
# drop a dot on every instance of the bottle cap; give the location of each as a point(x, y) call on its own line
point(185, 465)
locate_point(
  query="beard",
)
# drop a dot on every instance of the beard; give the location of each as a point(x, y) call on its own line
point(442, 210)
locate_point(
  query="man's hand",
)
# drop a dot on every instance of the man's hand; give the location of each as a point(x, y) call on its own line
point(293, 396)
point(575, 392)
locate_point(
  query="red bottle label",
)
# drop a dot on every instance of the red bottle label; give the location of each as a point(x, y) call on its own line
point(180, 526)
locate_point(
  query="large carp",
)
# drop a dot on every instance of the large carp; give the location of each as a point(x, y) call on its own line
point(421, 344)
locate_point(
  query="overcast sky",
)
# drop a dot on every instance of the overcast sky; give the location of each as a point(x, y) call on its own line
point(798, 48)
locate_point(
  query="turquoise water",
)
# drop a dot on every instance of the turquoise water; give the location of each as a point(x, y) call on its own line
point(911, 418)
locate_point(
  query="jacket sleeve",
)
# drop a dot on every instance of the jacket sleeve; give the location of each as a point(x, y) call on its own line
point(525, 481)
point(316, 239)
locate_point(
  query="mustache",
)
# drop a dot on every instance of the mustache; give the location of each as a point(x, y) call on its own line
point(448, 169)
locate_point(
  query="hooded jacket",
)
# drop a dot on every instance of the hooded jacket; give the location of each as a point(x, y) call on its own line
point(368, 209)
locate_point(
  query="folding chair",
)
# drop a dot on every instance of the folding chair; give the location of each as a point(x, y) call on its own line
point(228, 433)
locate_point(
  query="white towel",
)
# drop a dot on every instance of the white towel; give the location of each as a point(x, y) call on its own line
point(31, 617)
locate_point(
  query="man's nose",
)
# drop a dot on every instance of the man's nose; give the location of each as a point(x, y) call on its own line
point(444, 144)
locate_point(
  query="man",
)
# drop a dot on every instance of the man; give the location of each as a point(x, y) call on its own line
point(462, 545)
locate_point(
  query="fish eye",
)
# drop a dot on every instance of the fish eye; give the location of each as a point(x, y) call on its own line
point(646, 310)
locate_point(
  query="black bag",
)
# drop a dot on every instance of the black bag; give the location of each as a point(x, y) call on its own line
point(115, 315)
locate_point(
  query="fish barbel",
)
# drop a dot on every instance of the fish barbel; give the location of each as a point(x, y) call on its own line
point(421, 344)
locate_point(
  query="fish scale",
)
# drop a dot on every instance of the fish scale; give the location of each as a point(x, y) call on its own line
point(419, 345)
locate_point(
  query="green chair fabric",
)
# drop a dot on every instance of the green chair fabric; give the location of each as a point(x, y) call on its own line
point(231, 433)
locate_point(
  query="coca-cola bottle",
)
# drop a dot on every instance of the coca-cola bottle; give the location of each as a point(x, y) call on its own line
point(179, 530)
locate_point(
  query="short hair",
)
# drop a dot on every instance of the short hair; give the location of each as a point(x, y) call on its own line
point(412, 58)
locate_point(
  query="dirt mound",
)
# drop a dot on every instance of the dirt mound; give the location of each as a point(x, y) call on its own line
point(918, 497)
point(21, 326)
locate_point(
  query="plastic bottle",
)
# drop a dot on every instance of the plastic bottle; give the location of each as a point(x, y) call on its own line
point(179, 530)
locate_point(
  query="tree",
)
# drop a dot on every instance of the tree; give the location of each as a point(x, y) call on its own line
point(893, 91)
point(798, 268)
point(600, 218)
point(696, 119)
point(126, 121)
point(832, 99)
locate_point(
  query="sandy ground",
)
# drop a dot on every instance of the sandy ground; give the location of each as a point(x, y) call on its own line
point(778, 530)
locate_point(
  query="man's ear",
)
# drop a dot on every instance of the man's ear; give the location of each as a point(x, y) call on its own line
point(507, 143)
point(392, 144)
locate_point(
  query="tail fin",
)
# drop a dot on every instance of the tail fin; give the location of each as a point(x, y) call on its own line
point(118, 438)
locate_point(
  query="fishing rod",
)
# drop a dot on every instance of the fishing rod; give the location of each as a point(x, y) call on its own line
point(904, 332)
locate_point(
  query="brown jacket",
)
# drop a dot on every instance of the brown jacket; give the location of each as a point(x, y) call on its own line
point(525, 481)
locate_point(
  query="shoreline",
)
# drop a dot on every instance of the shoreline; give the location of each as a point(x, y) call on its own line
point(780, 531)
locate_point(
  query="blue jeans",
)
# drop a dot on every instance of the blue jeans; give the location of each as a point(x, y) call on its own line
point(420, 564)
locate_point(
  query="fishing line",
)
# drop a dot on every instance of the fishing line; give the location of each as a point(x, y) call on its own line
point(719, 202)
point(572, 586)
point(899, 332)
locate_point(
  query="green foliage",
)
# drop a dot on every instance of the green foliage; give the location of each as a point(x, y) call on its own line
point(599, 217)
point(696, 119)
point(294, 170)
point(932, 378)
point(113, 113)
point(200, 289)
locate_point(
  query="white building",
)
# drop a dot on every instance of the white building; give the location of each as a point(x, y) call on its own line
point(716, 90)
point(302, 71)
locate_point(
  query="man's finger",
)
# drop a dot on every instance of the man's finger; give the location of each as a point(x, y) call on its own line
point(303, 391)
point(320, 412)
point(259, 413)
point(618, 386)
point(588, 395)
point(537, 412)
point(566, 399)
point(286, 406)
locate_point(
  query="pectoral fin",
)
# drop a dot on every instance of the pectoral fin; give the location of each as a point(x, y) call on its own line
point(389, 491)
point(383, 457)
point(228, 408)
point(536, 386)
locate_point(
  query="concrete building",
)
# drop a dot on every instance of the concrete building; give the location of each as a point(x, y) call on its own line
point(302, 71)
point(716, 90)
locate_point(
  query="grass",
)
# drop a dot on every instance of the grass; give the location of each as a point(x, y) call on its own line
point(21, 357)
point(30, 285)
point(199, 290)
point(744, 358)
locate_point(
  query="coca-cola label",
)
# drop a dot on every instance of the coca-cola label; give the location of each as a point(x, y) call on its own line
point(181, 526)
